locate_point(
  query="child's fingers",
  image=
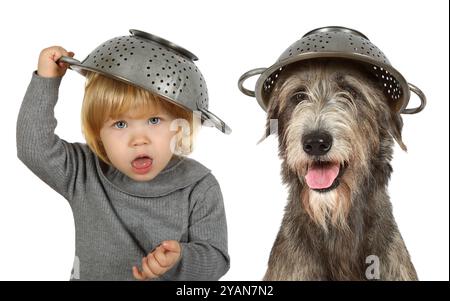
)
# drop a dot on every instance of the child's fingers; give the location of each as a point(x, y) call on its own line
point(146, 268)
point(48, 65)
point(173, 257)
point(64, 53)
point(63, 65)
point(56, 52)
point(161, 257)
point(137, 274)
point(154, 265)
point(172, 251)
point(171, 245)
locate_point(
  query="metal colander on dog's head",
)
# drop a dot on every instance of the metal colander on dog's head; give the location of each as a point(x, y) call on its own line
point(335, 42)
point(154, 64)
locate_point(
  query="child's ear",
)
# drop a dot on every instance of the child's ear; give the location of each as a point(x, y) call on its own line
point(395, 129)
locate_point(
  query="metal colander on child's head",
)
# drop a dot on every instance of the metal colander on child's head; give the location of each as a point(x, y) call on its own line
point(156, 65)
point(335, 42)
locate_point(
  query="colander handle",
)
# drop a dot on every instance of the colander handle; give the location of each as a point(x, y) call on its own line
point(245, 76)
point(423, 100)
point(68, 60)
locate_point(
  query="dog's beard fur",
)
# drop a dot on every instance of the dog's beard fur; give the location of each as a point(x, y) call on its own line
point(340, 100)
point(332, 206)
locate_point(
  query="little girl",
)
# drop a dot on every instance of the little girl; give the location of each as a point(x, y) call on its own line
point(142, 209)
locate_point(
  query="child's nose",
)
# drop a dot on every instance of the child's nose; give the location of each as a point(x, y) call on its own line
point(139, 142)
point(139, 139)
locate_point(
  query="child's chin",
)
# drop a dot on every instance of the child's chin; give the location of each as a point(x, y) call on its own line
point(142, 177)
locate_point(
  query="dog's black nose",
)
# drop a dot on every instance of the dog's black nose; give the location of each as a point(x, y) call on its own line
point(317, 143)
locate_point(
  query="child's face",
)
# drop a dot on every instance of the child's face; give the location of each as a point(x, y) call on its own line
point(127, 138)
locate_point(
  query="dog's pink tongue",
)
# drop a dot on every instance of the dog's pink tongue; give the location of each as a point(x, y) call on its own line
point(141, 163)
point(321, 176)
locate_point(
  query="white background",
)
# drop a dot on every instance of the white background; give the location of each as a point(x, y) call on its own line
point(36, 224)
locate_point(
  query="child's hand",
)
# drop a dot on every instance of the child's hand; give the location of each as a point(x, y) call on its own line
point(47, 66)
point(164, 257)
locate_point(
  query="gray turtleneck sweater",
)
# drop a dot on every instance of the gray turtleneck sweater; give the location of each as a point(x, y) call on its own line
point(118, 221)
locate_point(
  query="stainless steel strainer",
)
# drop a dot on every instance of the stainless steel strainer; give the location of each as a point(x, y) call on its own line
point(154, 64)
point(337, 43)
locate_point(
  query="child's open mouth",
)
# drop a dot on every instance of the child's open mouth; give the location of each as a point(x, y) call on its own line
point(142, 164)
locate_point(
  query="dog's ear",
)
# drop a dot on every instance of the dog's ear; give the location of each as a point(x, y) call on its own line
point(393, 120)
point(395, 129)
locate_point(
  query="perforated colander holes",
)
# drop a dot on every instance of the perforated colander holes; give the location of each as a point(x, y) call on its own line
point(203, 103)
point(317, 42)
point(112, 48)
point(204, 93)
point(368, 48)
point(166, 83)
point(270, 81)
point(390, 84)
point(313, 43)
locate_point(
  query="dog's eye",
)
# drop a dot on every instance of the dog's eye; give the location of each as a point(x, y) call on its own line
point(299, 96)
point(351, 90)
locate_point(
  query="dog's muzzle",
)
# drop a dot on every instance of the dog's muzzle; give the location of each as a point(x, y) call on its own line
point(321, 175)
point(324, 176)
point(317, 143)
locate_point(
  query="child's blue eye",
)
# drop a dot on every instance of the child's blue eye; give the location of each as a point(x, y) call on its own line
point(154, 120)
point(120, 124)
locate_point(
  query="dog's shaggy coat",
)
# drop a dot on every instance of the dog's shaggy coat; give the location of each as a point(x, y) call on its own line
point(331, 234)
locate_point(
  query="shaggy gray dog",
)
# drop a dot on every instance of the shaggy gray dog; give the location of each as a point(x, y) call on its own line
point(336, 134)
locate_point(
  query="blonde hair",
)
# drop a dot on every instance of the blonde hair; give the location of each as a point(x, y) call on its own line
point(106, 98)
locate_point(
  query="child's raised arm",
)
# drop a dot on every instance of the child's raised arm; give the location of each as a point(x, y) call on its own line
point(52, 159)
